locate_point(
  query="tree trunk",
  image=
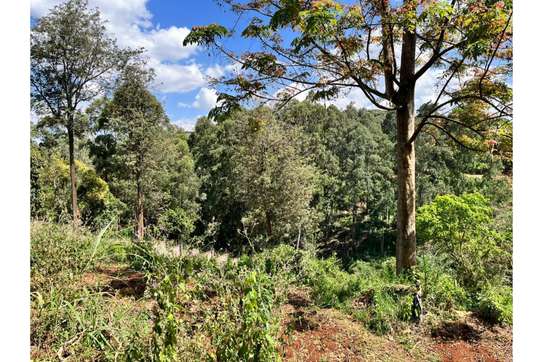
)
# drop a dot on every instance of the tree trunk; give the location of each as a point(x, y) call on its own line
point(73, 177)
point(405, 153)
point(139, 213)
point(406, 242)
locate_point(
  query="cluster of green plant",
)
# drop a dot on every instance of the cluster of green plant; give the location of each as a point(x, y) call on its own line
point(68, 319)
point(236, 300)
point(57, 254)
point(51, 190)
point(166, 323)
point(495, 304)
point(442, 291)
point(245, 329)
point(240, 323)
point(474, 253)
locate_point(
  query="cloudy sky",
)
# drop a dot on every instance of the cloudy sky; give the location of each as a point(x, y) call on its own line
point(182, 72)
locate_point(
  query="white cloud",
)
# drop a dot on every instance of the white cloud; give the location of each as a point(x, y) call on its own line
point(426, 90)
point(177, 78)
point(205, 99)
point(217, 71)
point(130, 23)
point(161, 44)
point(117, 12)
point(354, 96)
point(187, 123)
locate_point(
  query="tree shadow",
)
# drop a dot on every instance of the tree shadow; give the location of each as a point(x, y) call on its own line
point(454, 331)
point(124, 282)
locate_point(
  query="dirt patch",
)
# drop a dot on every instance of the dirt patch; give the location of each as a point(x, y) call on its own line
point(459, 330)
point(117, 280)
point(461, 351)
point(299, 297)
point(330, 335)
point(472, 340)
point(313, 334)
point(304, 321)
point(365, 300)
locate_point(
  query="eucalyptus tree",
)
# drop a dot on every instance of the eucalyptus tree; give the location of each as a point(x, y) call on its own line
point(354, 160)
point(273, 179)
point(134, 119)
point(382, 49)
point(213, 146)
point(72, 58)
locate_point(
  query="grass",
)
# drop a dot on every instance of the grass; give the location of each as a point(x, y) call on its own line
point(106, 298)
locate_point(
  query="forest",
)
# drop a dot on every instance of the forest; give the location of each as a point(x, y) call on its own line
point(279, 228)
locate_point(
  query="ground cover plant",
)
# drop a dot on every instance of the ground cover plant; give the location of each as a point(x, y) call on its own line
point(110, 299)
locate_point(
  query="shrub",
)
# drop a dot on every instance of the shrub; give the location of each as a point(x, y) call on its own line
point(83, 325)
point(245, 329)
point(330, 285)
point(382, 314)
point(441, 291)
point(495, 304)
point(461, 227)
point(52, 200)
point(166, 322)
point(176, 224)
point(57, 253)
point(280, 262)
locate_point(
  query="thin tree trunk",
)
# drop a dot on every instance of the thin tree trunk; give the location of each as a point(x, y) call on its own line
point(139, 213)
point(73, 177)
point(405, 154)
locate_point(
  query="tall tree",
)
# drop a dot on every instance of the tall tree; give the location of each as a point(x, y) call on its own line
point(213, 146)
point(135, 119)
point(72, 57)
point(382, 48)
point(272, 178)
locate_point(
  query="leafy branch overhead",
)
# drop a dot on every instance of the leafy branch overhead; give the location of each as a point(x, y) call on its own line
point(327, 47)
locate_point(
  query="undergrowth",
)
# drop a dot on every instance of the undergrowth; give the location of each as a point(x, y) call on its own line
point(197, 306)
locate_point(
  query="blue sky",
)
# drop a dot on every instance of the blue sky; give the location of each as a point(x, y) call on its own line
point(182, 73)
point(160, 26)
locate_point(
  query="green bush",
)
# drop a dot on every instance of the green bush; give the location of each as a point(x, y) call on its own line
point(167, 326)
point(281, 261)
point(495, 304)
point(330, 285)
point(57, 253)
point(382, 314)
point(441, 291)
point(245, 329)
point(97, 204)
point(176, 224)
point(83, 324)
point(462, 229)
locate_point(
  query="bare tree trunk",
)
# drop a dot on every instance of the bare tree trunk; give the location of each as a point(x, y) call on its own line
point(139, 213)
point(406, 242)
point(73, 177)
point(405, 155)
